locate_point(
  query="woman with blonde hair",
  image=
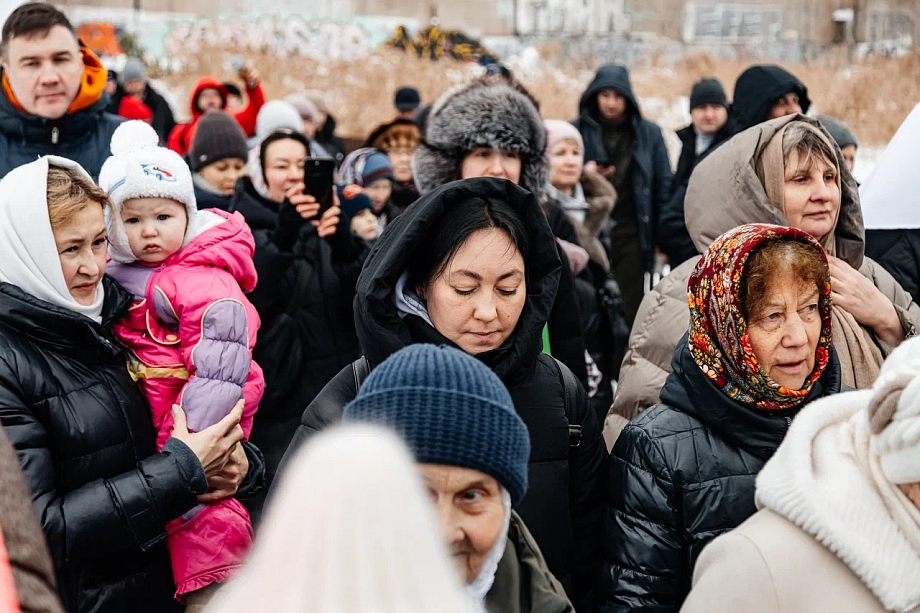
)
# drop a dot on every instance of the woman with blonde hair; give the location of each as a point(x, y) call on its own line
point(350, 530)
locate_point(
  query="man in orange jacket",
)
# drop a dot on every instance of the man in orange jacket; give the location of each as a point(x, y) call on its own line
point(52, 100)
point(210, 94)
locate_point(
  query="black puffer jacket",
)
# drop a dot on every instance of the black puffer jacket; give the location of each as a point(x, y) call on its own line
point(87, 448)
point(898, 252)
point(563, 504)
point(84, 136)
point(681, 474)
point(650, 169)
point(324, 321)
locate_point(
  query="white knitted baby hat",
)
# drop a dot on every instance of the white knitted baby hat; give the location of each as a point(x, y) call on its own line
point(139, 168)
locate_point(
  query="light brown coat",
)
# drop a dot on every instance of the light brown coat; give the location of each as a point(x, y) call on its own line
point(770, 565)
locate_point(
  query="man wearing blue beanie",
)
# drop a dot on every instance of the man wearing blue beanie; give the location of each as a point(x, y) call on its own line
point(472, 448)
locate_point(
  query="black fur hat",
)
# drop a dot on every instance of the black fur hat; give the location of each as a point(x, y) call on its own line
point(481, 115)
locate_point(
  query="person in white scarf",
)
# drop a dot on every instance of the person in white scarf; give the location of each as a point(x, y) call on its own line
point(351, 529)
point(53, 249)
point(839, 526)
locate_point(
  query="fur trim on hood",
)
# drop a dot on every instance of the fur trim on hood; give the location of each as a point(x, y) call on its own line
point(480, 115)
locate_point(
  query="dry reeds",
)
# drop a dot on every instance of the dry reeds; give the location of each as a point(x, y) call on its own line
point(872, 97)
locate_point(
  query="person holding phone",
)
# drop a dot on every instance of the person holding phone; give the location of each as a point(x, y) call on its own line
point(308, 265)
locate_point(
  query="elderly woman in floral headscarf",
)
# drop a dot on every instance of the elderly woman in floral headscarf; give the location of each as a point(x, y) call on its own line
point(758, 350)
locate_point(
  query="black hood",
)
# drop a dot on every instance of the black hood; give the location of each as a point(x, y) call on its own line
point(380, 329)
point(690, 391)
point(610, 76)
point(60, 329)
point(757, 90)
point(328, 132)
point(20, 126)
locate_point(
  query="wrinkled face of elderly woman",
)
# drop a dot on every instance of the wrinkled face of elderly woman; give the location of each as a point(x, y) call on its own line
point(811, 191)
point(471, 512)
point(781, 297)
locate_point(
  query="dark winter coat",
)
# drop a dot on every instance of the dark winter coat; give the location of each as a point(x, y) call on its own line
point(328, 339)
point(562, 506)
point(650, 168)
point(674, 239)
point(898, 252)
point(681, 474)
point(757, 90)
point(332, 144)
point(86, 445)
point(209, 200)
point(84, 136)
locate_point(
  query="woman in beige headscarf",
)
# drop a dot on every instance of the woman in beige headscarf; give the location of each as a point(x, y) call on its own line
point(786, 172)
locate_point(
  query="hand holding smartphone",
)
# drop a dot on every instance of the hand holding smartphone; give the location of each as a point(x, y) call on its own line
point(318, 179)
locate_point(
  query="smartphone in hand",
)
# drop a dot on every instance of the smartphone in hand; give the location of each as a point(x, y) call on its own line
point(318, 179)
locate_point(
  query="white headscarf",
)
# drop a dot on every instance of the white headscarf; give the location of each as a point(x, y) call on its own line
point(351, 529)
point(890, 196)
point(28, 254)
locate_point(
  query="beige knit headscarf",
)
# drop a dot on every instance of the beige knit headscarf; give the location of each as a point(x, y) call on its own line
point(860, 358)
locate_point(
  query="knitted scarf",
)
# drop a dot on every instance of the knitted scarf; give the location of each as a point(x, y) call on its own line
point(719, 339)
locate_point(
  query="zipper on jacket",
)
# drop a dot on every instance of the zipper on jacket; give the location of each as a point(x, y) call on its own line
point(55, 135)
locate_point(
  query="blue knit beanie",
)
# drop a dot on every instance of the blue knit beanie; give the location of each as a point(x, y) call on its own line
point(354, 205)
point(377, 166)
point(451, 410)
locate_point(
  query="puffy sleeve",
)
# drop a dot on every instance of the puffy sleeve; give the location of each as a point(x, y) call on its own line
point(217, 327)
point(105, 516)
point(643, 570)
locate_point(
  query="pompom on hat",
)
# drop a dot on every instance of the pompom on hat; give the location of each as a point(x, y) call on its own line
point(139, 168)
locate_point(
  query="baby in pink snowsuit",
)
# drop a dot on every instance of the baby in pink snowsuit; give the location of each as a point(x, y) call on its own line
point(191, 329)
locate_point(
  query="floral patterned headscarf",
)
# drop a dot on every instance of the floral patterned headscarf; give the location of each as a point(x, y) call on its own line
point(719, 339)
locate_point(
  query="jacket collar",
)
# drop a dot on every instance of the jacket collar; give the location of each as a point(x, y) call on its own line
point(19, 125)
point(59, 329)
point(688, 390)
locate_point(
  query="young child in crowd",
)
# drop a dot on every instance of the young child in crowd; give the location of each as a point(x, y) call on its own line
point(358, 208)
point(372, 170)
point(190, 330)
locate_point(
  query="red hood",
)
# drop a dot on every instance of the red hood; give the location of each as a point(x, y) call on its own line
point(228, 245)
point(203, 84)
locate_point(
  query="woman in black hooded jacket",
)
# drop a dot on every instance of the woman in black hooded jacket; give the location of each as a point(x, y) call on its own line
point(562, 506)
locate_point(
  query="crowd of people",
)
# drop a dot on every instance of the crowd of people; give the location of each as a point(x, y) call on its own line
point(458, 384)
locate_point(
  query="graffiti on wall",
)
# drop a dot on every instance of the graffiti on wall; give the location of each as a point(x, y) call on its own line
point(315, 39)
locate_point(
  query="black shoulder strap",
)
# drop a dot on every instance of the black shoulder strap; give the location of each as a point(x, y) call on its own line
point(361, 369)
point(570, 389)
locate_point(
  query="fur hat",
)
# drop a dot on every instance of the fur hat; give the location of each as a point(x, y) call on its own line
point(481, 115)
point(139, 168)
point(396, 133)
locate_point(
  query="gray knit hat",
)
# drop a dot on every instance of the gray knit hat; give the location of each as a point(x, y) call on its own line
point(134, 70)
point(838, 131)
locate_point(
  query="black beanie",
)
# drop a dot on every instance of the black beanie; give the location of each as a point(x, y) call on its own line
point(707, 91)
point(218, 137)
point(407, 99)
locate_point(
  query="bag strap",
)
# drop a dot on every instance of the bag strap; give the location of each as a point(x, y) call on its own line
point(304, 273)
point(361, 368)
point(570, 390)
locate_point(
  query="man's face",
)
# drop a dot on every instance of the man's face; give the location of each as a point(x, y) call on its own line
point(612, 105)
point(787, 105)
point(708, 118)
point(45, 71)
point(210, 100)
point(136, 88)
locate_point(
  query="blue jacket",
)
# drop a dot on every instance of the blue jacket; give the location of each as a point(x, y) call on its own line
point(650, 168)
point(83, 136)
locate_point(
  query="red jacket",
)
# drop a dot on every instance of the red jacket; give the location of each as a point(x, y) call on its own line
point(180, 139)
